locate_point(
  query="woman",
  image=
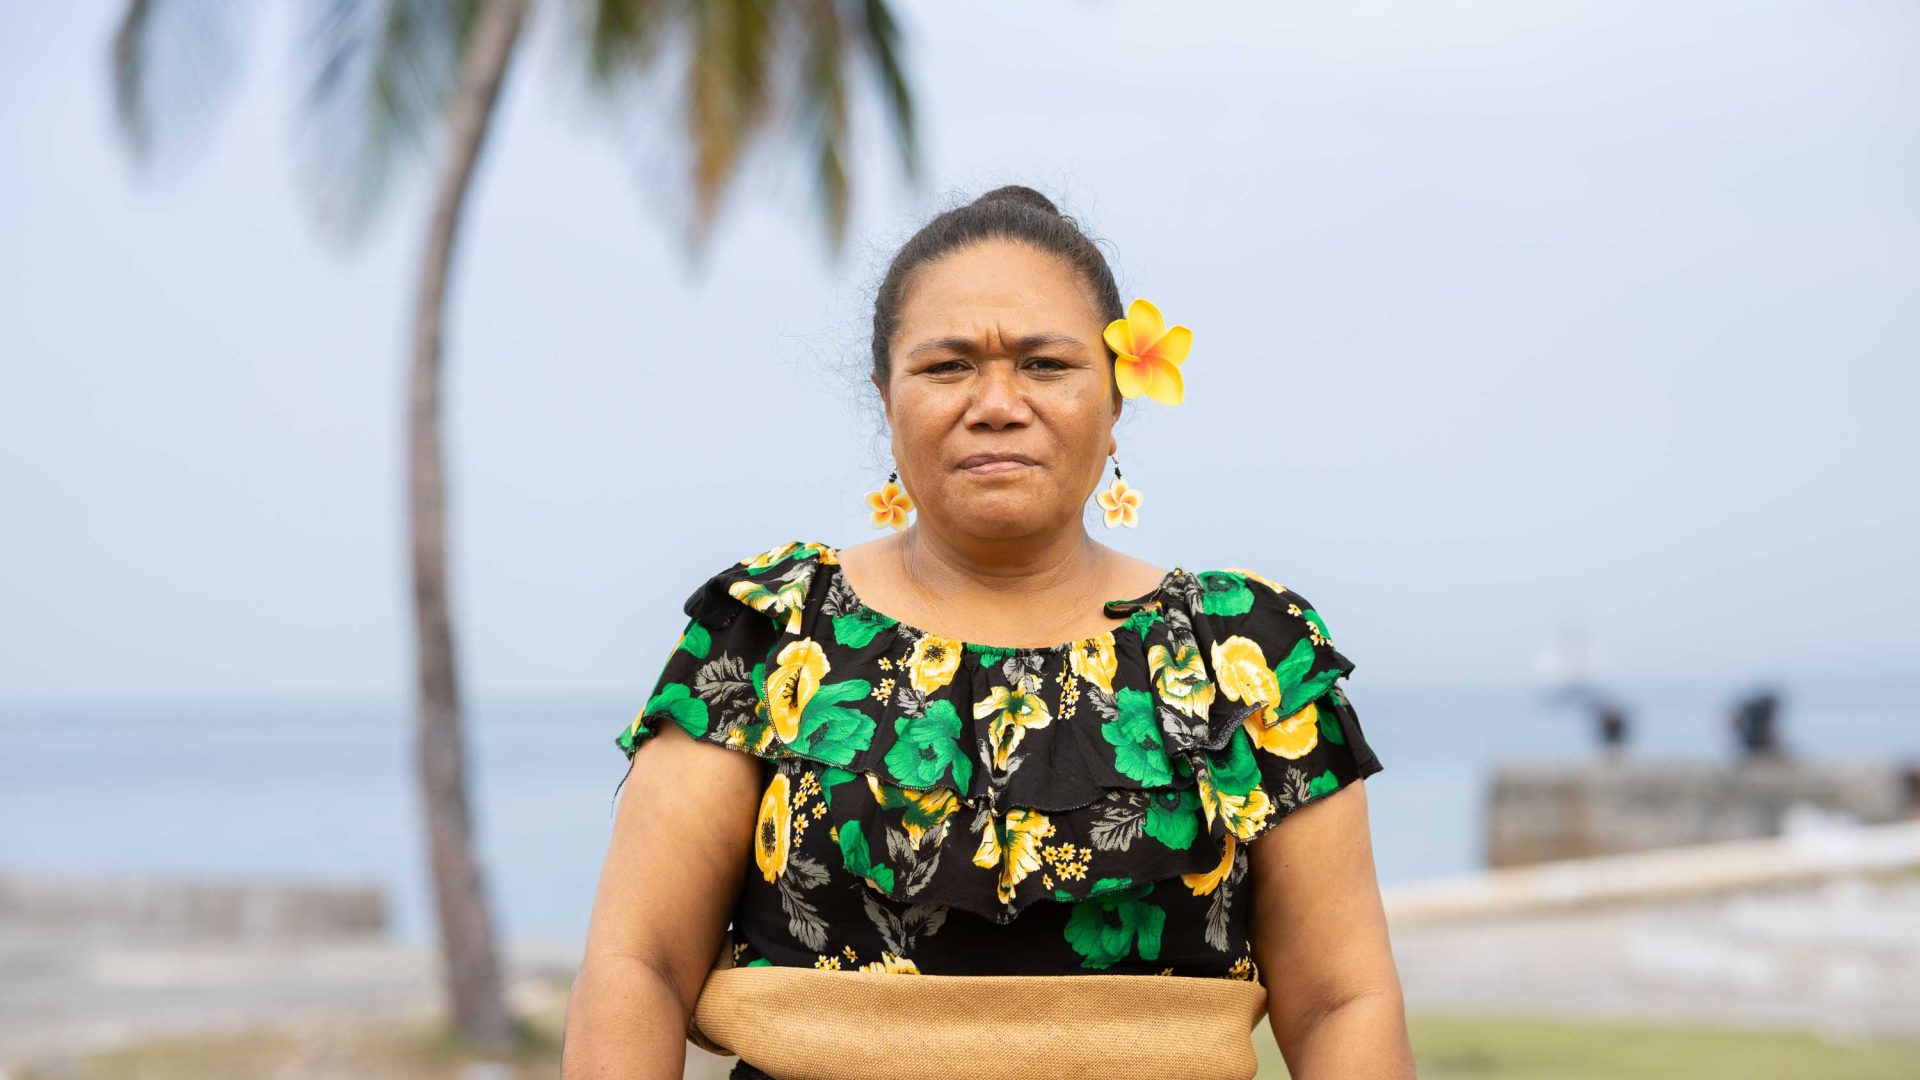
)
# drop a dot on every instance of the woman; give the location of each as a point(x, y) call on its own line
point(966, 814)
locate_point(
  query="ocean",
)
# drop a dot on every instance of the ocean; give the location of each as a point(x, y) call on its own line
point(314, 789)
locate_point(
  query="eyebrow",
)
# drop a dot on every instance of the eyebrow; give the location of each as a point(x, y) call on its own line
point(966, 346)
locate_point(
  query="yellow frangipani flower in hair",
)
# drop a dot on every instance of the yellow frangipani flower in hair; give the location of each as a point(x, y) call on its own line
point(1149, 354)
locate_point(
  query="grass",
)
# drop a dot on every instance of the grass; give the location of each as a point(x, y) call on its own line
point(1476, 1048)
point(319, 1051)
point(1446, 1048)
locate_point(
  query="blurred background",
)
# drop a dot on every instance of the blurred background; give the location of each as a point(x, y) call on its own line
point(1563, 353)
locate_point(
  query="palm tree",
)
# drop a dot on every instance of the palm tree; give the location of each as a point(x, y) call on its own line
point(393, 77)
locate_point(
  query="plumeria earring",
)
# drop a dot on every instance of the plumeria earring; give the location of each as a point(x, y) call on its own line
point(1121, 502)
point(890, 505)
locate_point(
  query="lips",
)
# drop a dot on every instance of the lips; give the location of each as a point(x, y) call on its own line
point(994, 462)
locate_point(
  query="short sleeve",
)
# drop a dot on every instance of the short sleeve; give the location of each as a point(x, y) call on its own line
point(1292, 735)
point(708, 683)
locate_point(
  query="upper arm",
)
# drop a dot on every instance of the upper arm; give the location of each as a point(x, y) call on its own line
point(1318, 926)
point(681, 838)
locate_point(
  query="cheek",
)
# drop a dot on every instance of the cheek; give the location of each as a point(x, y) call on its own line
point(1083, 420)
point(920, 421)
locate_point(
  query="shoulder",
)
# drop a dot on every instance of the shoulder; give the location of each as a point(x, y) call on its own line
point(1242, 615)
point(1240, 593)
point(1273, 599)
point(773, 582)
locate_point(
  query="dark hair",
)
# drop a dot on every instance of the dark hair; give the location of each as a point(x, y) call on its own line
point(1013, 212)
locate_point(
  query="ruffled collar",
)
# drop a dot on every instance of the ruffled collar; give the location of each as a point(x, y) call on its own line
point(985, 749)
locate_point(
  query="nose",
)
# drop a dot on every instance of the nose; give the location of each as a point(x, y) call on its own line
point(999, 401)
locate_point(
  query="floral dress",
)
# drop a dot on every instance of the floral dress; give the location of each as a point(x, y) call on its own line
point(934, 806)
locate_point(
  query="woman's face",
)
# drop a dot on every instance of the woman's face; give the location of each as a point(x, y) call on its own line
point(1001, 398)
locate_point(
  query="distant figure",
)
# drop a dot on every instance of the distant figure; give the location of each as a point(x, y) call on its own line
point(1613, 726)
point(1568, 668)
point(1756, 725)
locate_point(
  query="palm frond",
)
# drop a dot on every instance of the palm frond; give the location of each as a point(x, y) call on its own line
point(881, 36)
point(727, 94)
point(619, 37)
point(172, 63)
point(384, 73)
point(743, 70)
point(822, 100)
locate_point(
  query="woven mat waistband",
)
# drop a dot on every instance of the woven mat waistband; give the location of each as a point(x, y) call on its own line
point(808, 1024)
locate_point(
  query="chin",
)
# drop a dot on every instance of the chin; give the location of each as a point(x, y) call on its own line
point(1003, 517)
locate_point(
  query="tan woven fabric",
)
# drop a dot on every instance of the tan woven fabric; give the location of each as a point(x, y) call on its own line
point(808, 1024)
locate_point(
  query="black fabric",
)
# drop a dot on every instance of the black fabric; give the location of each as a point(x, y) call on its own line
point(936, 806)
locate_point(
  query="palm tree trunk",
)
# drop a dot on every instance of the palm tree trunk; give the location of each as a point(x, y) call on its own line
point(475, 987)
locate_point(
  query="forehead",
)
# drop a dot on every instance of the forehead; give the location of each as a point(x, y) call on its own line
point(997, 282)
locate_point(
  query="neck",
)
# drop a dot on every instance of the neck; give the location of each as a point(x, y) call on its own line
point(938, 565)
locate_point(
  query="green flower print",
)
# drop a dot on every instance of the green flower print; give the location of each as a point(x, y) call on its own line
point(1104, 930)
point(1138, 749)
point(928, 746)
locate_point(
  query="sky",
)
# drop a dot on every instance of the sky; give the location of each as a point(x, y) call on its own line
point(1510, 319)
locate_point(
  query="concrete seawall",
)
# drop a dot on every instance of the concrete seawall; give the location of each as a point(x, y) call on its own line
point(220, 909)
point(1540, 813)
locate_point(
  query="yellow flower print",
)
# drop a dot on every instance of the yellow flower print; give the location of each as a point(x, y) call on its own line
point(1314, 625)
point(932, 662)
point(1268, 582)
point(1120, 502)
point(772, 836)
point(889, 506)
point(1242, 671)
point(1181, 678)
point(1148, 354)
point(773, 555)
point(1204, 883)
point(926, 808)
point(770, 556)
point(802, 665)
point(1014, 710)
point(1014, 847)
point(1291, 738)
point(1244, 814)
point(784, 597)
point(1094, 660)
point(1068, 861)
point(889, 964)
point(932, 806)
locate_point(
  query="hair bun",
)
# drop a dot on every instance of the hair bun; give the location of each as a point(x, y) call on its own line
point(1021, 194)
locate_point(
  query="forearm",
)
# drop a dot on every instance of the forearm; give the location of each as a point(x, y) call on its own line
point(625, 1021)
point(1362, 1038)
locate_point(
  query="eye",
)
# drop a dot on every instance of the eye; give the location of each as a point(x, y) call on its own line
point(946, 367)
point(1046, 363)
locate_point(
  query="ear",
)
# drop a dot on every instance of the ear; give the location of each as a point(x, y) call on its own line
point(886, 406)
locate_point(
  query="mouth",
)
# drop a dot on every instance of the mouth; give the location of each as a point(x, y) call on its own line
point(994, 464)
